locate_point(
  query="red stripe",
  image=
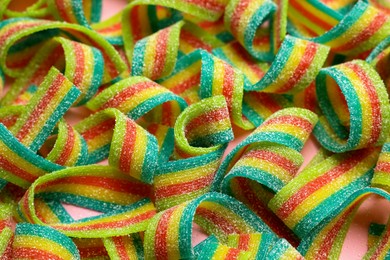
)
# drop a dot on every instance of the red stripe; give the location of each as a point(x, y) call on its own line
point(232, 254)
point(328, 240)
point(228, 84)
point(9, 121)
point(211, 116)
point(184, 187)
point(265, 100)
point(291, 120)
point(383, 167)
point(62, 10)
point(167, 114)
point(118, 185)
point(93, 251)
point(274, 158)
point(243, 241)
point(374, 101)
point(192, 81)
point(15, 170)
point(161, 236)
point(364, 35)
point(80, 64)
point(304, 192)
point(296, 4)
point(69, 145)
point(128, 146)
point(120, 248)
point(17, 28)
point(302, 68)
point(195, 42)
point(276, 25)
point(41, 107)
point(222, 223)
point(161, 53)
point(109, 225)
point(239, 9)
point(33, 253)
point(135, 23)
point(262, 210)
point(127, 93)
point(104, 126)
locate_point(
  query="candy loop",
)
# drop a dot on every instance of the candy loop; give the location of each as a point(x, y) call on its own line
point(246, 30)
point(312, 196)
point(139, 96)
point(203, 128)
point(130, 247)
point(122, 218)
point(13, 30)
point(356, 87)
point(216, 213)
point(129, 147)
point(326, 240)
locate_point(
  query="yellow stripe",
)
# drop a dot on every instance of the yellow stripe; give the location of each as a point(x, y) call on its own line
point(295, 131)
point(221, 252)
point(88, 68)
point(150, 53)
point(182, 75)
point(138, 156)
point(265, 165)
point(41, 244)
point(185, 175)
point(99, 141)
point(140, 97)
point(218, 77)
point(290, 66)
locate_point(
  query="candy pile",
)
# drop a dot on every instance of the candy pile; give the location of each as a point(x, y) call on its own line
point(161, 85)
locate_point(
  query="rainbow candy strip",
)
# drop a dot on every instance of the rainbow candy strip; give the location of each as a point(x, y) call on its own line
point(40, 242)
point(220, 78)
point(302, 202)
point(14, 29)
point(125, 247)
point(136, 96)
point(302, 58)
point(129, 147)
point(243, 18)
point(121, 218)
point(260, 166)
point(311, 18)
point(382, 169)
point(361, 29)
point(53, 98)
point(203, 128)
point(284, 251)
point(214, 212)
point(363, 98)
point(379, 59)
point(155, 56)
point(327, 238)
point(69, 148)
point(76, 11)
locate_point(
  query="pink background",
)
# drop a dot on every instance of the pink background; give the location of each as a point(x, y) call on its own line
point(375, 209)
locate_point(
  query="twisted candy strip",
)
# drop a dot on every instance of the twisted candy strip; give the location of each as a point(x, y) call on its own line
point(201, 134)
point(169, 233)
point(302, 202)
point(13, 30)
point(40, 242)
point(326, 239)
point(361, 29)
point(267, 157)
point(136, 96)
point(358, 115)
point(129, 147)
point(119, 220)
